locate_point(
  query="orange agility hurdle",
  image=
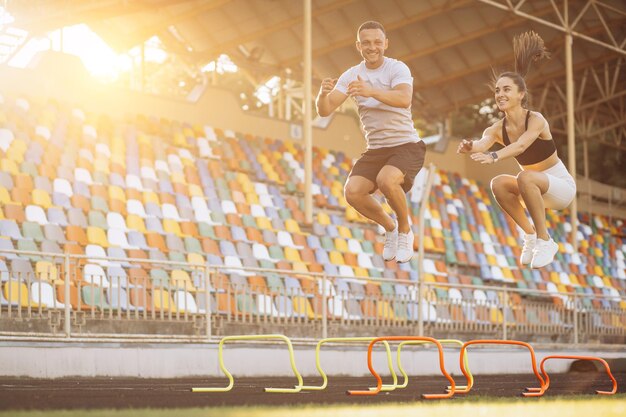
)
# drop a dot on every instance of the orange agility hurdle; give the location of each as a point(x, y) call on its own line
point(379, 381)
point(470, 382)
point(545, 387)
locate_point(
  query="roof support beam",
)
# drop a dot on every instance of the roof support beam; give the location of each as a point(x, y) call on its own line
point(450, 5)
point(615, 48)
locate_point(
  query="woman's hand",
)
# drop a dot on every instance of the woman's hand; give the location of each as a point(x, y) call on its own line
point(465, 146)
point(483, 158)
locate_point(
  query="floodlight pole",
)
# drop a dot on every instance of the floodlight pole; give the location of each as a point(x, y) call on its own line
point(571, 133)
point(307, 126)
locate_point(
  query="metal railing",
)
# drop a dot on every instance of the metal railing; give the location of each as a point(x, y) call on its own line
point(80, 295)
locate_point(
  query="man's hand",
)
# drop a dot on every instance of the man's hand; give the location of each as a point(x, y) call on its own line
point(465, 146)
point(359, 87)
point(327, 86)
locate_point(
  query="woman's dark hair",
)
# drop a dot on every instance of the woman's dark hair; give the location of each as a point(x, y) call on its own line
point(527, 47)
point(371, 24)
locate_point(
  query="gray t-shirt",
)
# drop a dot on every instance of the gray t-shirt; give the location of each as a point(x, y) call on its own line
point(384, 125)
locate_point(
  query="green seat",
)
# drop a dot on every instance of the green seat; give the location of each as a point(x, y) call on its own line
point(176, 256)
point(276, 252)
point(193, 245)
point(97, 219)
point(246, 304)
point(274, 283)
point(159, 278)
point(32, 230)
point(206, 230)
point(387, 289)
point(94, 296)
point(99, 203)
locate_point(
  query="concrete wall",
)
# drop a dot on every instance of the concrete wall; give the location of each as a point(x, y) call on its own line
point(58, 359)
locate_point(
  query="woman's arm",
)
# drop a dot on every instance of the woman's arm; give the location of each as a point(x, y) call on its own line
point(481, 145)
point(536, 125)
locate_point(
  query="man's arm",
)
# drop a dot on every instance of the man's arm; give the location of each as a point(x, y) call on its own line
point(328, 99)
point(399, 96)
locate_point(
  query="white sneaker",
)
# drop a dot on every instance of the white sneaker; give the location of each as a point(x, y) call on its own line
point(527, 248)
point(405, 247)
point(544, 253)
point(391, 245)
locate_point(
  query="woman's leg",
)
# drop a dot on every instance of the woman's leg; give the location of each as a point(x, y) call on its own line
point(507, 193)
point(532, 185)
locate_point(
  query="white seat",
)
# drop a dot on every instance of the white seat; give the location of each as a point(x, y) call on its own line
point(204, 148)
point(266, 200)
point(136, 207)
point(149, 174)
point(204, 216)
point(117, 237)
point(160, 165)
point(285, 240)
point(336, 307)
point(429, 267)
point(63, 186)
point(170, 212)
point(36, 214)
point(496, 273)
point(257, 210)
point(210, 134)
point(365, 260)
point(94, 252)
point(89, 130)
point(597, 282)
point(23, 104)
point(199, 203)
point(354, 246)
point(266, 306)
point(94, 274)
point(455, 295)
point(43, 293)
point(82, 175)
point(133, 181)
point(184, 301)
point(228, 207)
point(116, 221)
point(235, 263)
point(260, 252)
point(103, 148)
point(261, 189)
point(174, 162)
point(6, 138)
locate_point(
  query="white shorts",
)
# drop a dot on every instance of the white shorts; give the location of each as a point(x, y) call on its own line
point(561, 188)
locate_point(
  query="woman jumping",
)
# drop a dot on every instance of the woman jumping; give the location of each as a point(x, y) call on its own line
point(544, 182)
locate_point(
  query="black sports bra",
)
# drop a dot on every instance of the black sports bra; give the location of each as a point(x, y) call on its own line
point(538, 151)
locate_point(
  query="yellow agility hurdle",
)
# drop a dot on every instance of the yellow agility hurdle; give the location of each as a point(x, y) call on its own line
point(254, 337)
point(443, 342)
point(318, 363)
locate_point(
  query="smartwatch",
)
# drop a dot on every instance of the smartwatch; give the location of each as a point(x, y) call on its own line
point(494, 155)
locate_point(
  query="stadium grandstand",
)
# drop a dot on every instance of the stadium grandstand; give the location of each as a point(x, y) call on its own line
point(165, 182)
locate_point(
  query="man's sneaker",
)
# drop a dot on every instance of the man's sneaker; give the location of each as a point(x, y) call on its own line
point(544, 253)
point(391, 245)
point(527, 249)
point(405, 247)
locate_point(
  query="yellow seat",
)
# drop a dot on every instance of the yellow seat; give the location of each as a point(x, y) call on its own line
point(300, 267)
point(361, 272)
point(46, 271)
point(341, 245)
point(252, 198)
point(264, 223)
point(5, 197)
point(134, 222)
point(292, 226)
point(172, 226)
point(384, 310)
point(102, 165)
point(181, 279)
point(292, 254)
point(195, 258)
point(195, 191)
point(97, 236)
point(344, 232)
point(162, 300)
point(177, 176)
point(150, 197)
point(323, 218)
point(336, 258)
point(17, 293)
point(116, 193)
point(10, 166)
point(42, 198)
point(302, 306)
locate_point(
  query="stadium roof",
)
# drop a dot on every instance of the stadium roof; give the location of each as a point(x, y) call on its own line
point(450, 46)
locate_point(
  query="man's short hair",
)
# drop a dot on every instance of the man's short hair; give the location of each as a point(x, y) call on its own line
point(371, 24)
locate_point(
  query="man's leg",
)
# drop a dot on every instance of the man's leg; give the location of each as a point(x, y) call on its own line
point(357, 192)
point(389, 181)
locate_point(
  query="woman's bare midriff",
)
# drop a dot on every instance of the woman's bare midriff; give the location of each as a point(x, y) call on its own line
point(549, 162)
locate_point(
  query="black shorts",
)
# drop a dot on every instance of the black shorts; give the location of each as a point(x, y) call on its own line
point(408, 158)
